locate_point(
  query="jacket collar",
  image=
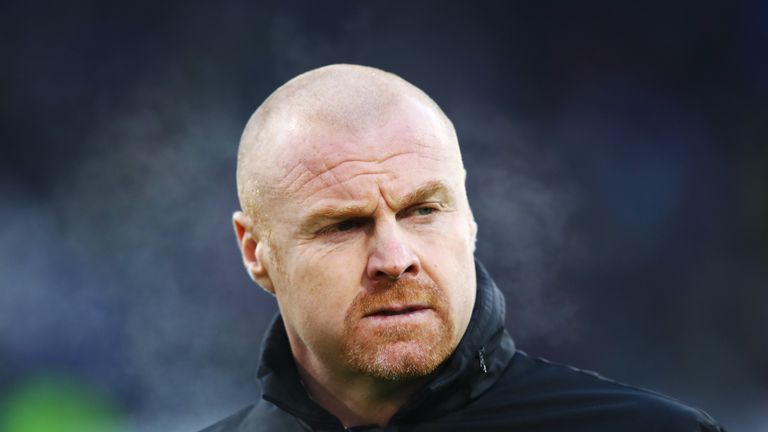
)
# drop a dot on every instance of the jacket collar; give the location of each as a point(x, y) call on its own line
point(477, 363)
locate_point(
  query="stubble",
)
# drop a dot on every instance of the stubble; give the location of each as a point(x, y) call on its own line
point(400, 350)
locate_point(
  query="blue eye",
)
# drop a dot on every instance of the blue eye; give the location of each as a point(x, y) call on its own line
point(425, 211)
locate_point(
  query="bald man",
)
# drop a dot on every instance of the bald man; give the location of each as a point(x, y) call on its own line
point(355, 217)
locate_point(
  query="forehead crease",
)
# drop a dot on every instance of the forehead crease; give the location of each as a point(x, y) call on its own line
point(347, 192)
point(329, 167)
point(305, 172)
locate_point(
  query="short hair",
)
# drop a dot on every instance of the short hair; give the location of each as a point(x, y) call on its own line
point(342, 96)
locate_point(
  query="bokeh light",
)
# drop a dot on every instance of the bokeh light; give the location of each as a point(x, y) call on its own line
point(57, 404)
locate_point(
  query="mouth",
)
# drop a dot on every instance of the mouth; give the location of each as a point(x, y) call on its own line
point(397, 310)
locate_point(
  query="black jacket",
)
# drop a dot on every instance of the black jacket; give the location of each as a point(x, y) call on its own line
point(486, 385)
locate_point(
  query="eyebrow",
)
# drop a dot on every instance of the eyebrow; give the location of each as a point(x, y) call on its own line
point(338, 212)
point(424, 192)
point(350, 211)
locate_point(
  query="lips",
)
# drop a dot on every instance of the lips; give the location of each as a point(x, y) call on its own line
point(397, 310)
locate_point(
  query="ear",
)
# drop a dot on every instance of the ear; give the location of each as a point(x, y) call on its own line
point(254, 251)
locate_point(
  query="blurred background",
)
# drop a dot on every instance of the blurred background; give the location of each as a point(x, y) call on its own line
point(618, 169)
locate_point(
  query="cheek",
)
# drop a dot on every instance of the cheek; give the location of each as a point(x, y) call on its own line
point(449, 260)
point(321, 286)
point(449, 247)
point(331, 274)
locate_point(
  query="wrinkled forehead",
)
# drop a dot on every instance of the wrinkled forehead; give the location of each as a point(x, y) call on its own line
point(411, 127)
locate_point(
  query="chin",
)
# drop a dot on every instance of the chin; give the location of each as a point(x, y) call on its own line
point(401, 361)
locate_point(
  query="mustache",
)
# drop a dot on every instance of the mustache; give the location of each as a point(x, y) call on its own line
point(407, 291)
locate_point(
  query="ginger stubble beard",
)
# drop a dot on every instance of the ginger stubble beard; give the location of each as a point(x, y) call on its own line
point(398, 351)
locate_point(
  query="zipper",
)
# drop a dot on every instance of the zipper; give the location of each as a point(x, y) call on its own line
point(481, 356)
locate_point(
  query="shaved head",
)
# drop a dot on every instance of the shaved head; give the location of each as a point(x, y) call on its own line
point(353, 196)
point(343, 98)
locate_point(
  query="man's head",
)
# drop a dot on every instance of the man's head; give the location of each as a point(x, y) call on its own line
point(355, 216)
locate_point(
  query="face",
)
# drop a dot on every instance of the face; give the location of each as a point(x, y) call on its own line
point(371, 244)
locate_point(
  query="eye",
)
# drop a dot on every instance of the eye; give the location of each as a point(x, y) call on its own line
point(343, 226)
point(347, 225)
point(425, 211)
point(421, 211)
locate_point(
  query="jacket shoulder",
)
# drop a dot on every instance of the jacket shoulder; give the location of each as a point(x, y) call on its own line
point(538, 395)
point(230, 423)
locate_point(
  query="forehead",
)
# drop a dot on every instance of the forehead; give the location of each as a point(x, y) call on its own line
point(408, 140)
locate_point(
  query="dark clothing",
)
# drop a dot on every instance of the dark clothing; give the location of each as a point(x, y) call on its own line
point(486, 385)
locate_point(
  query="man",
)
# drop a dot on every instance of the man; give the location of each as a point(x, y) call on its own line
point(355, 217)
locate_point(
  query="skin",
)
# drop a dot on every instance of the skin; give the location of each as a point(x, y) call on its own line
point(366, 239)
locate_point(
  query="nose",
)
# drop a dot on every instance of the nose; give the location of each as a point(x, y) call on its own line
point(390, 256)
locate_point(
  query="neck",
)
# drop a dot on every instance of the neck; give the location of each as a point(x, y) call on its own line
point(353, 398)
